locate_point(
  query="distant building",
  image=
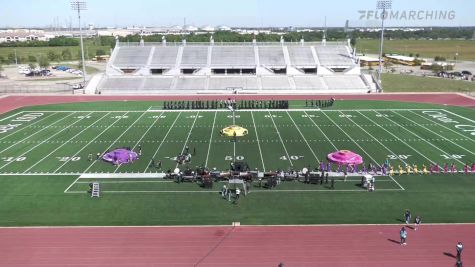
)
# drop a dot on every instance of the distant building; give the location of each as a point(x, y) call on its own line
point(23, 35)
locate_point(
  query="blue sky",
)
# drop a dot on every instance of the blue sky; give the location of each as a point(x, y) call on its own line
point(222, 12)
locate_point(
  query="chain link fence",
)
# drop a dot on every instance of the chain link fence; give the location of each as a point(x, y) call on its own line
point(37, 89)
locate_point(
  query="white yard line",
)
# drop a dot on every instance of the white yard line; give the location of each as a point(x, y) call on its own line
point(26, 127)
point(210, 138)
point(161, 143)
point(400, 140)
point(374, 138)
point(435, 121)
point(71, 185)
point(13, 115)
point(389, 150)
point(37, 132)
point(308, 145)
point(24, 153)
point(133, 182)
point(258, 143)
point(227, 110)
point(420, 138)
point(308, 116)
point(234, 141)
point(79, 133)
point(117, 139)
point(420, 125)
point(375, 161)
point(97, 136)
point(281, 141)
point(189, 134)
point(138, 142)
point(253, 192)
point(455, 114)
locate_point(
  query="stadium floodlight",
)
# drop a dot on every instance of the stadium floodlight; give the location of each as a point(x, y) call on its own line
point(78, 6)
point(382, 5)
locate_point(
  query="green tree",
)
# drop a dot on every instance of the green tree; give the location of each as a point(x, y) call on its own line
point(11, 58)
point(100, 52)
point(31, 58)
point(353, 41)
point(32, 65)
point(43, 62)
point(52, 56)
point(66, 54)
point(2, 60)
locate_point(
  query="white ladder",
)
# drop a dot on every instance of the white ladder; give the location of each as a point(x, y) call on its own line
point(96, 190)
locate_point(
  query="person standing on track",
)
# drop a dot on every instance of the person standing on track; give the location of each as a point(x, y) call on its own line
point(459, 251)
point(403, 235)
point(417, 222)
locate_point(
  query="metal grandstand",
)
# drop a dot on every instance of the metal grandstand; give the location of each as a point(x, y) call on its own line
point(256, 68)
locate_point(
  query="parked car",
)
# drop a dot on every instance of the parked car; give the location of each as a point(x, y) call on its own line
point(466, 72)
point(78, 86)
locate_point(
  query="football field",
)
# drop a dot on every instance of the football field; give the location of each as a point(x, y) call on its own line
point(43, 145)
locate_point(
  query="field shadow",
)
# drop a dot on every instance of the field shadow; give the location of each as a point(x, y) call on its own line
point(400, 220)
point(448, 254)
point(394, 241)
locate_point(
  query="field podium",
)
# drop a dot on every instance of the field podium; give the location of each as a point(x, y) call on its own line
point(96, 190)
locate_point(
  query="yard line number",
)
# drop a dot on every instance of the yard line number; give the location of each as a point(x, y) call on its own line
point(398, 156)
point(234, 158)
point(10, 159)
point(64, 159)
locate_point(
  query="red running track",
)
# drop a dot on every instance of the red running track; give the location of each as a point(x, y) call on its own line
point(9, 103)
point(336, 246)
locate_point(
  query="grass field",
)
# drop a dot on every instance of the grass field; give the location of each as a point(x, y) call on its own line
point(410, 83)
point(425, 48)
point(44, 170)
point(24, 52)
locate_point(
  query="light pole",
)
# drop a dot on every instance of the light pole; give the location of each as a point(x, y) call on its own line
point(78, 6)
point(382, 5)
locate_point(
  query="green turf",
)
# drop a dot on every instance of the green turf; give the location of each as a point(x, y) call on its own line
point(37, 157)
point(410, 83)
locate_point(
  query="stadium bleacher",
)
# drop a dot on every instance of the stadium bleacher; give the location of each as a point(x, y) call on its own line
point(255, 68)
point(233, 56)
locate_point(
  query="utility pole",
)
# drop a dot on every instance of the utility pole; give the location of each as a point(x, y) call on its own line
point(78, 6)
point(382, 5)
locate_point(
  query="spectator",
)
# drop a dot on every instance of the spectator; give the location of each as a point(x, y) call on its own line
point(459, 251)
point(417, 222)
point(403, 235)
